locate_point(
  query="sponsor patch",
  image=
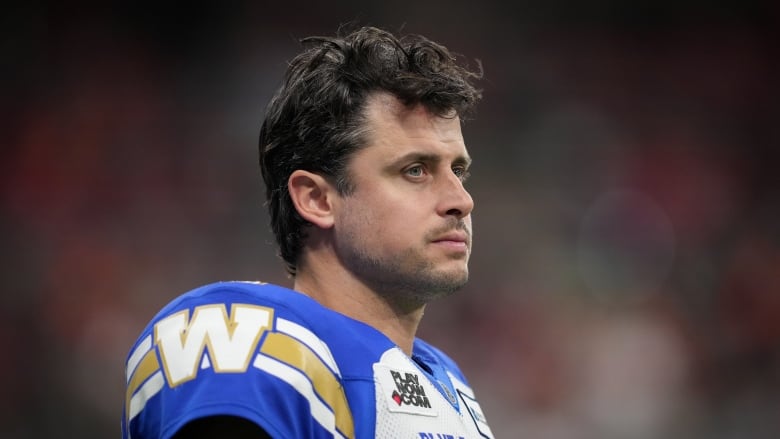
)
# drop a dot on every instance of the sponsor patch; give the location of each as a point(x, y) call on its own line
point(449, 394)
point(475, 411)
point(405, 391)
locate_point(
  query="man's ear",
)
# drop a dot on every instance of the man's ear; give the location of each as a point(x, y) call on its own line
point(312, 195)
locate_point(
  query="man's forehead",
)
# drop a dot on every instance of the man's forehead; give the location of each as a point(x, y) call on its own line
point(395, 131)
point(386, 104)
point(385, 115)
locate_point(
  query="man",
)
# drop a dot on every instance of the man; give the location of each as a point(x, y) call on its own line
point(363, 160)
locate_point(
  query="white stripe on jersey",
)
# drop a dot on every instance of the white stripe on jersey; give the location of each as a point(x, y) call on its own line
point(137, 356)
point(150, 388)
point(300, 382)
point(309, 339)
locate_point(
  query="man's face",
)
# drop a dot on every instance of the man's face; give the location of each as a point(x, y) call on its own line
point(405, 230)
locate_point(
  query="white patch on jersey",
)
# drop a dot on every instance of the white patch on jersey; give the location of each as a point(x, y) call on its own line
point(392, 423)
point(405, 390)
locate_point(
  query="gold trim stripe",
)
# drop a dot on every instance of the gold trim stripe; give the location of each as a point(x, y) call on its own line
point(146, 368)
point(296, 354)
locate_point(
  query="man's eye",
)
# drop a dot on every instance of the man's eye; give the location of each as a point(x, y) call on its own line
point(461, 172)
point(415, 171)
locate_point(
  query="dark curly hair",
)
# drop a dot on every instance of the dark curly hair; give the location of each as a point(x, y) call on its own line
point(315, 121)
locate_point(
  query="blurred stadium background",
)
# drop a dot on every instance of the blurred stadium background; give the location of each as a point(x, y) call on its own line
point(626, 270)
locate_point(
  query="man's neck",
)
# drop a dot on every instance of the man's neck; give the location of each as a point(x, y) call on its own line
point(347, 295)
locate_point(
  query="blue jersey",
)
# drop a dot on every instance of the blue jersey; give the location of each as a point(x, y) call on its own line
point(295, 368)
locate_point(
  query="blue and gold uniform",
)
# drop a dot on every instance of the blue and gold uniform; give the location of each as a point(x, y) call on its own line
point(295, 368)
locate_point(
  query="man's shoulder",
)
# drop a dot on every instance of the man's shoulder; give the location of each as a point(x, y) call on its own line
point(228, 308)
point(237, 348)
point(232, 294)
point(224, 306)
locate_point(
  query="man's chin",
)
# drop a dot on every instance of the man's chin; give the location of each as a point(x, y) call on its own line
point(449, 282)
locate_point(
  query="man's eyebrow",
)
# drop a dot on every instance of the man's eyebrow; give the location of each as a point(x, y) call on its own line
point(464, 160)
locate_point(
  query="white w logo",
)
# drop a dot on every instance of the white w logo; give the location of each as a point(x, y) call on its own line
point(231, 341)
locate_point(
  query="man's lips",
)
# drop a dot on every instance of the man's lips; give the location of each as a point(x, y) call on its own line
point(453, 237)
point(458, 241)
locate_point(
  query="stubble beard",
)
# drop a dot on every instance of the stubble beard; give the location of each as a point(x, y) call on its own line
point(408, 278)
